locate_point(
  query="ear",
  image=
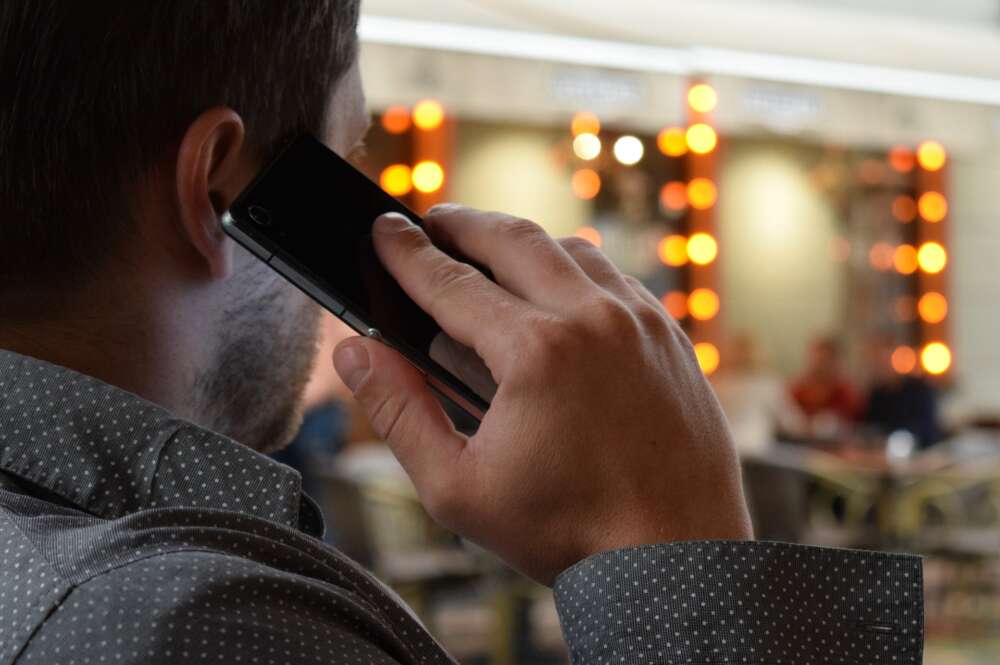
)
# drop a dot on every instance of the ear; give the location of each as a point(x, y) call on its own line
point(212, 169)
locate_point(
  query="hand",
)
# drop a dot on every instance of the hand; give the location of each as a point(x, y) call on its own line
point(603, 433)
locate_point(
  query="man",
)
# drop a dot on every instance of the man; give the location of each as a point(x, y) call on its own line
point(141, 344)
point(898, 402)
point(824, 394)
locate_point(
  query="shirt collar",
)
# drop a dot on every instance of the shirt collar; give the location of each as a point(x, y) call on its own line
point(112, 453)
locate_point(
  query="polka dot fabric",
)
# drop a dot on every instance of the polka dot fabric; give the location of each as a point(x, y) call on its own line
point(128, 536)
point(757, 603)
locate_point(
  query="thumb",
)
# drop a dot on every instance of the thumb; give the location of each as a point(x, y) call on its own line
point(402, 410)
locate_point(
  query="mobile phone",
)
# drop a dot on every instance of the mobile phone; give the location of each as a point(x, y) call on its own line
point(309, 216)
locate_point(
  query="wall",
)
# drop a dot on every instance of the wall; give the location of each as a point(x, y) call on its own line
point(975, 302)
point(779, 281)
point(517, 170)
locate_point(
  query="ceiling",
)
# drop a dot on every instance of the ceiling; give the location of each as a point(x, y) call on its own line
point(953, 36)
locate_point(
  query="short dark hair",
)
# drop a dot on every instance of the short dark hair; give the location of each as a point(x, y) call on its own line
point(95, 93)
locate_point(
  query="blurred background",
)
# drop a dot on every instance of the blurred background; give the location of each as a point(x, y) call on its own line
point(809, 187)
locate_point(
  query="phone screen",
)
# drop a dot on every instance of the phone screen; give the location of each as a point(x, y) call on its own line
point(314, 212)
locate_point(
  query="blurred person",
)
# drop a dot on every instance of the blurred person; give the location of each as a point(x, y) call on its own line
point(829, 400)
point(755, 400)
point(899, 402)
point(147, 360)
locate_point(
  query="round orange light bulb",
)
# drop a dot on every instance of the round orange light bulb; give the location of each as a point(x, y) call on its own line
point(708, 357)
point(936, 358)
point(931, 155)
point(672, 142)
point(933, 307)
point(428, 115)
point(904, 360)
point(591, 235)
point(586, 123)
point(428, 177)
point(396, 120)
point(397, 179)
point(586, 184)
point(703, 304)
point(702, 98)
point(702, 139)
point(673, 251)
point(702, 249)
point(933, 207)
point(905, 259)
point(676, 304)
point(702, 194)
point(932, 258)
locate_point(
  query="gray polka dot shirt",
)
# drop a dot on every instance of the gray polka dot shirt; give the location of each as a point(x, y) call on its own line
point(128, 536)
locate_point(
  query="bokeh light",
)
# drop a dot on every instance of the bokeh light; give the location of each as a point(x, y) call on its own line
point(428, 177)
point(629, 150)
point(702, 193)
point(933, 206)
point(702, 249)
point(586, 184)
point(673, 251)
point(936, 358)
point(676, 303)
point(672, 142)
point(396, 120)
point(904, 208)
point(428, 115)
point(586, 123)
point(702, 139)
point(933, 307)
point(397, 180)
point(674, 196)
point(703, 304)
point(702, 98)
point(902, 159)
point(882, 256)
point(590, 234)
point(708, 357)
point(587, 147)
point(904, 360)
point(840, 249)
point(931, 155)
point(905, 259)
point(932, 258)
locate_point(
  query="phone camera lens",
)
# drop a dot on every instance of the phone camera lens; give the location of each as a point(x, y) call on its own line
point(259, 215)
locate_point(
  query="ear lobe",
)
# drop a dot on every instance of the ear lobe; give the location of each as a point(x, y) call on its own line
point(211, 171)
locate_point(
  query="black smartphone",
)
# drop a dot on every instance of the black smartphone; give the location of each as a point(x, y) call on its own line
point(309, 216)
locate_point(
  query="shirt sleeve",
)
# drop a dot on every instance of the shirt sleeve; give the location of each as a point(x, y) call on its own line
point(743, 602)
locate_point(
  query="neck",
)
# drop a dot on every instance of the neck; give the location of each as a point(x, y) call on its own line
point(125, 349)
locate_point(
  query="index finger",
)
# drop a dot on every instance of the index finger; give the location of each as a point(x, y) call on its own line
point(469, 307)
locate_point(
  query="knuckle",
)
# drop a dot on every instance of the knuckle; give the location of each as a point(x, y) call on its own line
point(385, 411)
point(653, 320)
point(613, 316)
point(448, 275)
point(524, 230)
point(577, 246)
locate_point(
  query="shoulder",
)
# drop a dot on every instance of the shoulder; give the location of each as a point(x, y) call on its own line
point(198, 606)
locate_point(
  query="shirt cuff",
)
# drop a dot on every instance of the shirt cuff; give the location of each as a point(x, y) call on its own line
point(743, 602)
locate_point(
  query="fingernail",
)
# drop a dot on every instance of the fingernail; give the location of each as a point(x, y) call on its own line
point(352, 363)
point(442, 208)
point(391, 222)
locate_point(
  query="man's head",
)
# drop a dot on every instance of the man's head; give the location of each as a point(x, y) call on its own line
point(824, 358)
point(128, 129)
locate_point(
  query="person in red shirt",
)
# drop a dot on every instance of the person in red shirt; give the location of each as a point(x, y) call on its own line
point(823, 392)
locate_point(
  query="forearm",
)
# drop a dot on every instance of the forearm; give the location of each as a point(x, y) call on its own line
point(742, 602)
